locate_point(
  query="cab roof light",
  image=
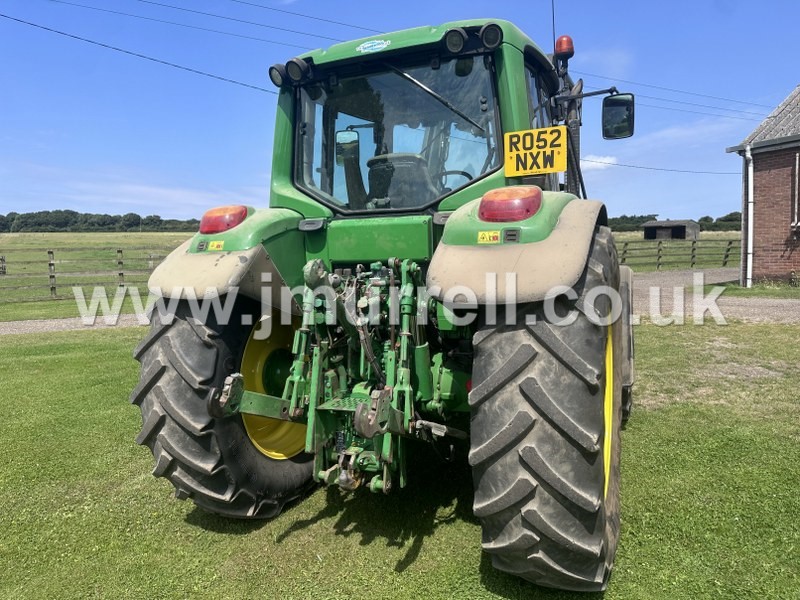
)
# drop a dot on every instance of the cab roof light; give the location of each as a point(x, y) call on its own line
point(222, 218)
point(297, 69)
point(277, 75)
point(491, 36)
point(455, 39)
point(509, 204)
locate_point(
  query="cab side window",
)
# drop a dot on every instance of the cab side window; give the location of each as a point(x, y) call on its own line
point(541, 116)
point(539, 100)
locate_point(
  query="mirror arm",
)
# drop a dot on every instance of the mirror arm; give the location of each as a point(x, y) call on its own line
point(566, 98)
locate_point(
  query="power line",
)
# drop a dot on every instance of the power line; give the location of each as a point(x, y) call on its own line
point(244, 2)
point(615, 164)
point(136, 54)
point(668, 89)
point(744, 112)
point(736, 110)
point(711, 106)
point(698, 112)
point(216, 16)
point(116, 12)
point(296, 14)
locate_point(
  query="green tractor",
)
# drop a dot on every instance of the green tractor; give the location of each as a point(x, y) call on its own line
point(423, 273)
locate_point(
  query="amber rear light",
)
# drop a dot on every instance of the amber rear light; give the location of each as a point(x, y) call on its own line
point(509, 204)
point(222, 218)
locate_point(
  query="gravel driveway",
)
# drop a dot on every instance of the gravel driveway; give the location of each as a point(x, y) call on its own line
point(664, 282)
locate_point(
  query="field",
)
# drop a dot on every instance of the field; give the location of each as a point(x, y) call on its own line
point(84, 259)
point(91, 259)
point(711, 465)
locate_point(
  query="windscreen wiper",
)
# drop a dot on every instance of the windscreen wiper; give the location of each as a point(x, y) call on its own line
point(435, 96)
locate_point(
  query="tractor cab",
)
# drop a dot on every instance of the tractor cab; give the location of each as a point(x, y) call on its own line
point(420, 117)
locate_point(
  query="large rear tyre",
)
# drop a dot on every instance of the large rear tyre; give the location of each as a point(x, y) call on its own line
point(212, 461)
point(545, 445)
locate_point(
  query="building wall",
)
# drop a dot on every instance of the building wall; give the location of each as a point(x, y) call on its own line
point(776, 251)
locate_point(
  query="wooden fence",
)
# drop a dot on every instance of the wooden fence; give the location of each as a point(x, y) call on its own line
point(649, 255)
point(36, 274)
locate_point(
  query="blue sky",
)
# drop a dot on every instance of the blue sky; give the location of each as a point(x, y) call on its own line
point(94, 130)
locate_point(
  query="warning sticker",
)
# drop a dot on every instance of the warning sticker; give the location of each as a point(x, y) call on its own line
point(219, 245)
point(536, 151)
point(488, 237)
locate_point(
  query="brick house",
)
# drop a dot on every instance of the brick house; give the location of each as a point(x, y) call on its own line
point(770, 210)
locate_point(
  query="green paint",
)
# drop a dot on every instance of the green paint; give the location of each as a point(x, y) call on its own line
point(376, 238)
point(464, 226)
point(260, 225)
point(263, 405)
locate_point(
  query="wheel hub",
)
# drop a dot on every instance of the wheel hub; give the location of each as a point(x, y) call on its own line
point(265, 367)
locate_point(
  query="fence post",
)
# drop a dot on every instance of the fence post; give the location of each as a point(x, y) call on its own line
point(120, 268)
point(51, 267)
point(660, 255)
point(2, 265)
point(727, 255)
point(624, 252)
point(694, 253)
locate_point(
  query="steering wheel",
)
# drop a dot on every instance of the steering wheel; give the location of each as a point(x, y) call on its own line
point(439, 177)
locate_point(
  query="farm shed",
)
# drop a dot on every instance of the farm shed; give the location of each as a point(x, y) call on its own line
point(671, 230)
point(770, 204)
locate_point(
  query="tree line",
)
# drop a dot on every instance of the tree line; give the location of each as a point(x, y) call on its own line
point(730, 222)
point(70, 220)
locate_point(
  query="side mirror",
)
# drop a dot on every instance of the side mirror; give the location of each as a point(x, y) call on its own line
point(618, 116)
point(347, 146)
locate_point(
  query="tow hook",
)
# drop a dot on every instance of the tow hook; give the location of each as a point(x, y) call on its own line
point(224, 403)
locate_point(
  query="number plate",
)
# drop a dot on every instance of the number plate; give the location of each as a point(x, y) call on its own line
point(536, 151)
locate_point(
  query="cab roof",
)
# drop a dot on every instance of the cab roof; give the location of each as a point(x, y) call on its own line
point(390, 43)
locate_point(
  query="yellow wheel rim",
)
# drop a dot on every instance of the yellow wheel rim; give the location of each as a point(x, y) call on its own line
point(264, 368)
point(608, 409)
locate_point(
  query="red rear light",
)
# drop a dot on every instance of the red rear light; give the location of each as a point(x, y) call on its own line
point(510, 203)
point(222, 218)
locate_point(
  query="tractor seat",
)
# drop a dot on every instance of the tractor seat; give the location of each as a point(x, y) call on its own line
point(401, 179)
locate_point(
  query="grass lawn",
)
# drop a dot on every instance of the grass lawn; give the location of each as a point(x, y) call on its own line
point(710, 498)
point(760, 290)
point(31, 242)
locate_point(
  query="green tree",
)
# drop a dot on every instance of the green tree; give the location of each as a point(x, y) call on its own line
point(629, 223)
point(151, 223)
point(705, 223)
point(730, 222)
point(130, 222)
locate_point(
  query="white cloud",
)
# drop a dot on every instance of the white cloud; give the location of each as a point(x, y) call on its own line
point(593, 162)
